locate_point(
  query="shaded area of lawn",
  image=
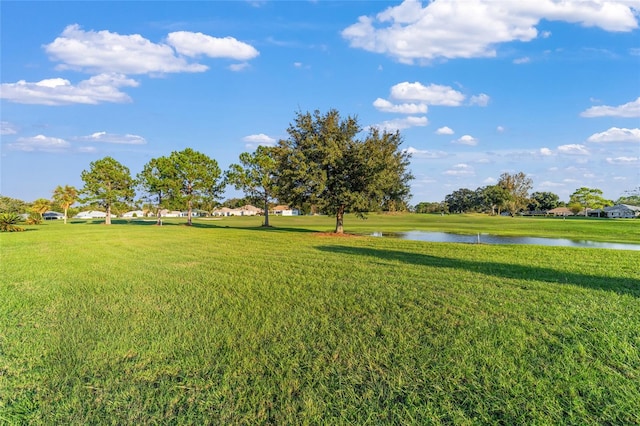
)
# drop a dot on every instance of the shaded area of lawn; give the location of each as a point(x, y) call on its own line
point(630, 286)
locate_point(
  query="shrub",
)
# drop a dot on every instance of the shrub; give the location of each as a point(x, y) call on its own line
point(33, 220)
point(8, 222)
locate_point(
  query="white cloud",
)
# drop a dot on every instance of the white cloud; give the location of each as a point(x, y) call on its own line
point(39, 143)
point(197, 44)
point(407, 108)
point(7, 128)
point(253, 141)
point(444, 131)
point(466, 140)
point(105, 137)
point(434, 94)
point(58, 91)
point(423, 153)
point(448, 29)
point(616, 134)
point(105, 51)
point(573, 149)
point(628, 110)
point(402, 123)
point(460, 170)
point(500, 129)
point(524, 60)
point(624, 161)
point(545, 152)
point(239, 67)
point(490, 181)
point(480, 100)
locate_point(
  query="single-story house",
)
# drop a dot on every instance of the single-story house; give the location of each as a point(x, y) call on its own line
point(92, 214)
point(622, 211)
point(170, 213)
point(560, 211)
point(51, 215)
point(247, 210)
point(134, 213)
point(285, 211)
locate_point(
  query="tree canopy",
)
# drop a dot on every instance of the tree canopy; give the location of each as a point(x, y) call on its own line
point(517, 186)
point(589, 198)
point(256, 176)
point(107, 182)
point(325, 164)
point(65, 196)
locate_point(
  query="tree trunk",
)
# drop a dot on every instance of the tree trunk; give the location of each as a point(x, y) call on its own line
point(65, 215)
point(340, 220)
point(189, 213)
point(107, 219)
point(266, 212)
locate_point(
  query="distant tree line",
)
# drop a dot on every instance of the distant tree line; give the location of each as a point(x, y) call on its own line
point(511, 195)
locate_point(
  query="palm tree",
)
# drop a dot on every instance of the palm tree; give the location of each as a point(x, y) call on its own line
point(40, 206)
point(65, 196)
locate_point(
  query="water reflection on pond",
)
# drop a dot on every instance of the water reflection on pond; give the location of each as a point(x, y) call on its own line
point(446, 237)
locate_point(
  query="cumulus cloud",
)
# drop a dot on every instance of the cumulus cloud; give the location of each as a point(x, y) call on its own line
point(448, 29)
point(628, 110)
point(545, 152)
point(616, 134)
point(444, 131)
point(7, 128)
point(253, 141)
point(105, 137)
point(39, 143)
point(466, 140)
point(460, 170)
point(402, 123)
point(408, 108)
point(198, 44)
point(434, 94)
point(239, 67)
point(423, 153)
point(105, 51)
point(57, 91)
point(573, 149)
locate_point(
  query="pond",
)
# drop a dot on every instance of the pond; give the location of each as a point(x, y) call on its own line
point(446, 237)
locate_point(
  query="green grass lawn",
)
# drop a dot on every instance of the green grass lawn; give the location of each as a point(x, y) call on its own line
point(228, 323)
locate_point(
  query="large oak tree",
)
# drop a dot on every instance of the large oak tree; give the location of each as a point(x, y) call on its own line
point(107, 182)
point(323, 162)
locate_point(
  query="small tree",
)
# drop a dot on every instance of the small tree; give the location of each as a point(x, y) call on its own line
point(517, 186)
point(65, 197)
point(107, 182)
point(194, 177)
point(255, 176)
point(40, 206)
point(589, 198)
point(157, 181)
point(324, 164)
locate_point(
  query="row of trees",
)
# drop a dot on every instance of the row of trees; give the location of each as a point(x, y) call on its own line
point(511, 194)
point(323, 163)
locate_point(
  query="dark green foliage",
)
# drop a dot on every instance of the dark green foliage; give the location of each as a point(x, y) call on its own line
point(107, 182)
point(12, 205)
point(9, 222)
point(256, 176)
point(325, 164)
point(544, 201)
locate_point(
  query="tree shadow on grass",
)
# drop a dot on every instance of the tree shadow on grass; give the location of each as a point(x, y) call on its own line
point(630, 286)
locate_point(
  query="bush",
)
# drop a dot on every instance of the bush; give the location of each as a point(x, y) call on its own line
point(33, 220)
point(8, 222)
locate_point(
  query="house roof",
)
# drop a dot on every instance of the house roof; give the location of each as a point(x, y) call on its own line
point(560, 210)
point(281, 207)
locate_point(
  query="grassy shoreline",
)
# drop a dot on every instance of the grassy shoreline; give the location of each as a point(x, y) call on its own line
point(226, 322)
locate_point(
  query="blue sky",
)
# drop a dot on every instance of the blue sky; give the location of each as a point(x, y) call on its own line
point(477, 88)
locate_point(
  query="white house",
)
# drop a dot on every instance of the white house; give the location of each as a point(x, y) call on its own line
point(92, 214)
point(134, 213)
point(247, 210)
point(622, 211)
point(285, 211)
point(50, 215)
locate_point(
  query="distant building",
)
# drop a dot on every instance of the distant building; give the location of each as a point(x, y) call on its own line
point(622, 211)
point(50, 215)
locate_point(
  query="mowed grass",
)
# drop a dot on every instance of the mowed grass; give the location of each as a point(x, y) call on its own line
point(229, 323)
